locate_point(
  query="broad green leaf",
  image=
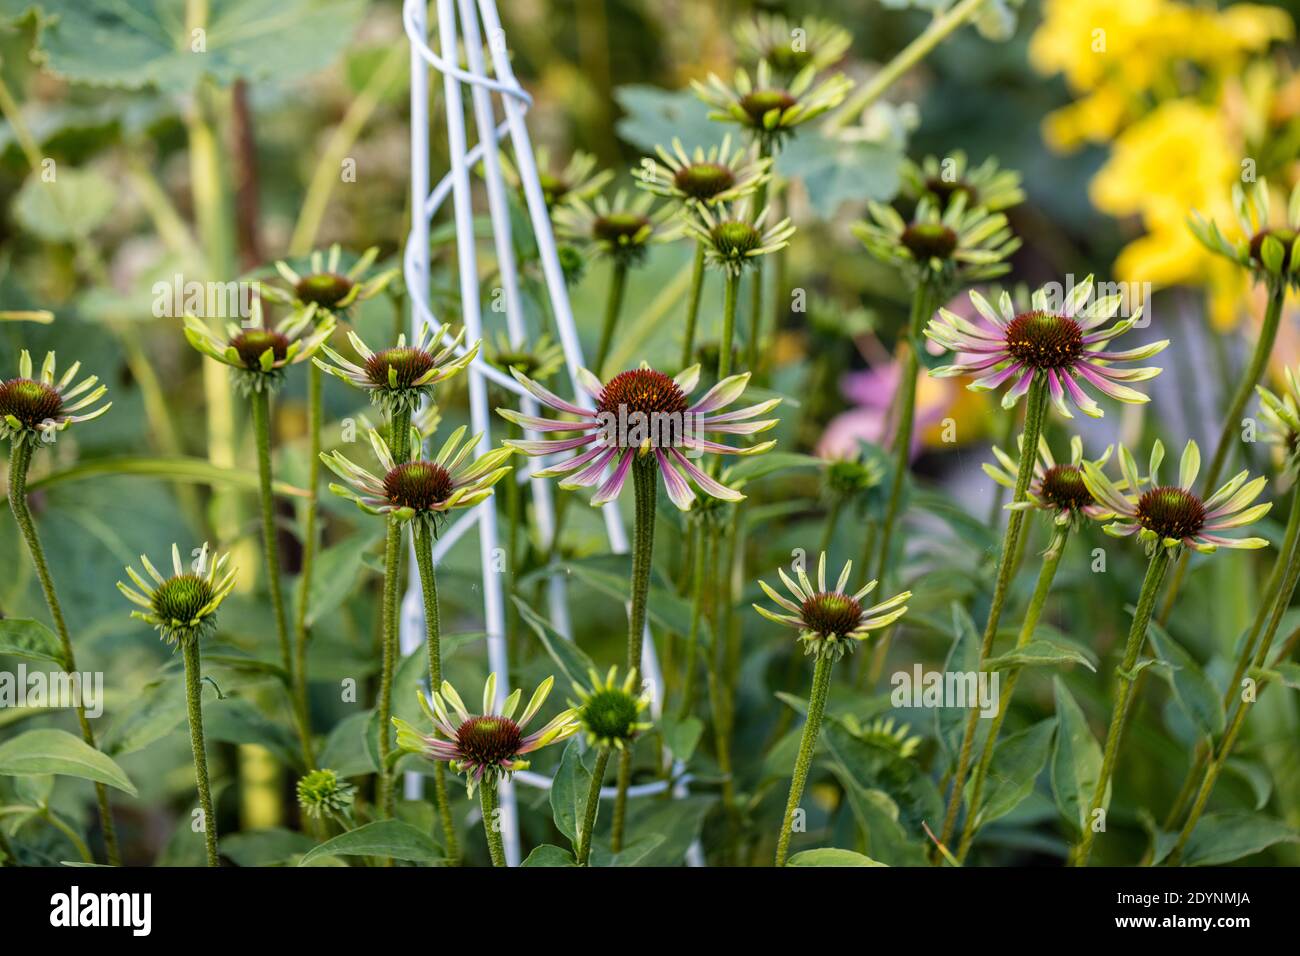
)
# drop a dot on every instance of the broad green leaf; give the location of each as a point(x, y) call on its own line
point(272, 847)
point(569, 789)
point(1223, 837)
point(634, 854)
point(1015, 766)
point(566, 654)
point(877, 816)
point(236, 721)
point(678, 822)
point(345, 751)
point(1039, 652)
point(682, 735)
point(383, 838)
point(751, 469)
point(831, 857)
point(875, 768)
point(154, 714)
point(1288, 673)
point(1076, 760)
point(336, 574)
point(66, 208)
point(1198, 697)
point(548, 855)
point(32, 640)
point(838, 169)
point(653, 116)
point(136, 43)
point(57, 751)
point(950, 721)
point(190, 470)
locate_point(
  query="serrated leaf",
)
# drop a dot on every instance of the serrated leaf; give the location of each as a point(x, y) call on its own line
point(57, 751)
point(383, 838)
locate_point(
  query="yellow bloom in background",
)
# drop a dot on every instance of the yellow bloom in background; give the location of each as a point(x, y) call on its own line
point(1091, 41)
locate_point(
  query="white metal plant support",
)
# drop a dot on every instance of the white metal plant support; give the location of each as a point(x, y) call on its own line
point(463, 18)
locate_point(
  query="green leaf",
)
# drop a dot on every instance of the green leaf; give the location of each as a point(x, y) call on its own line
point(682, 735)
point(634, 854)
point(963, 656)
point(1195, 693)
point(272, 847)
point(678, 822)
point(1015, 766)
point(877, 816)
point(1223, 837)
point(837, 169)
point(831, 857)
point(67, 208)
point(1076, 761)
point(875, 768)
point(345, 750)
point(1038, 653)
point(569, 790)
point(383, 838)
point(751, 469)
point(653, 116)
point(336, 574)
point(548, 855)
point(236, 721)
point(32, 640)
point(1288, 673)
point(153, 715)
point(57, 751)
point(177, 468)
point(136, 43)
point(566, 654)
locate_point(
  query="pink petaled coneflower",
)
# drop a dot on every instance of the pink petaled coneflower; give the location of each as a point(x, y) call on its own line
point(1173, 515)
point(488, 744)
point(1067, 348)
point(643, 411)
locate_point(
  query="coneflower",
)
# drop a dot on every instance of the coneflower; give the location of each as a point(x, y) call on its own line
point(1166, 518)
point(831, 622)
point(1058, 490)
point(944, 178)
point(1042, 353)
point(768, 109)
point(322, 795)
point(32, 413)
point(485, 746)
point(609, 713)
point(621, 230)
point(325, 285)
point(182, 608)
point(790, 46)
point(578, 179)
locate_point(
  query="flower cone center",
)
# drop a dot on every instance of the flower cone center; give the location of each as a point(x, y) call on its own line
point(1063, 488)
point(704, 180)
point(252, 343)
point(646, 401)
point(1044, 340)
point(487, 741)
point(1171, 512)
point(30, 402)
point(831, 614)
point(181, 598)
point(926, 240)
point(610, 714)
point(326, 289)
point(418, 484)
point(735, 239)
point(760, 102)
point(408, 363)
point(1283, 235)
point(618, 226)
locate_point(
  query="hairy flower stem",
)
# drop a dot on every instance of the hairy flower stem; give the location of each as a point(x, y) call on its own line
point(593, 806)
point(756, 293)
point(1137, 634)
point(1285, 555)
point(1250, 377)
point(20, 459)
point(693, 305)
point(432, 641)
point(487, 796)
point(261, 402)
point(697, 613)
point(725, 344)
point(613, 306)
point(645, 479)
point(1238, 719)
point(1035, 412)
point(1046, 574)
point(807, 744)
point(310, 533)
point(194, 707)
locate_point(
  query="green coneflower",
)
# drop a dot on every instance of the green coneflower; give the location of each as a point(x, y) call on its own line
point(183, 608)
point(1281, 426)
point(1270, 252)
point(399, 378)
point(256, 354)
point(34, 409)
point(769, 110)
point(789, 47)
point(943, 178)
point(831, 622)
point(538, 360)
point(949, 247)
point(575, 180)
point(1058, 488)
point(716, 175)
point(609, 713)
point(324, 286)
point(621, 228)
point(885, 733)
point(321, 794)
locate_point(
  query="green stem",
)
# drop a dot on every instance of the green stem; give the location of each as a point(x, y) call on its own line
point(593, 806)
point(310, 537)
point(487, 795)
point(613, 306)
point(697, 613)
point(20, 459)
point(940, 28)
point(73, 836)
point(756, 296)
point(194, 707)
point(1250, 377)
point(432, 640)
point(261, 401)
point(693, 305)
point(807, 744)
point(1137, 634)
point(726, 343)
point(386, 799)
point(1046, 574)
point(1035, 412)
point(645, 479)
point(832, 519)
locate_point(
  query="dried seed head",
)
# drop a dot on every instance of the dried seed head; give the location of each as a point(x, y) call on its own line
point(30, 402)
point(1044, 340)
point(1171, 512)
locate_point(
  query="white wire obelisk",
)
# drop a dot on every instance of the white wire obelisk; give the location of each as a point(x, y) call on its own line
point(461, 18)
